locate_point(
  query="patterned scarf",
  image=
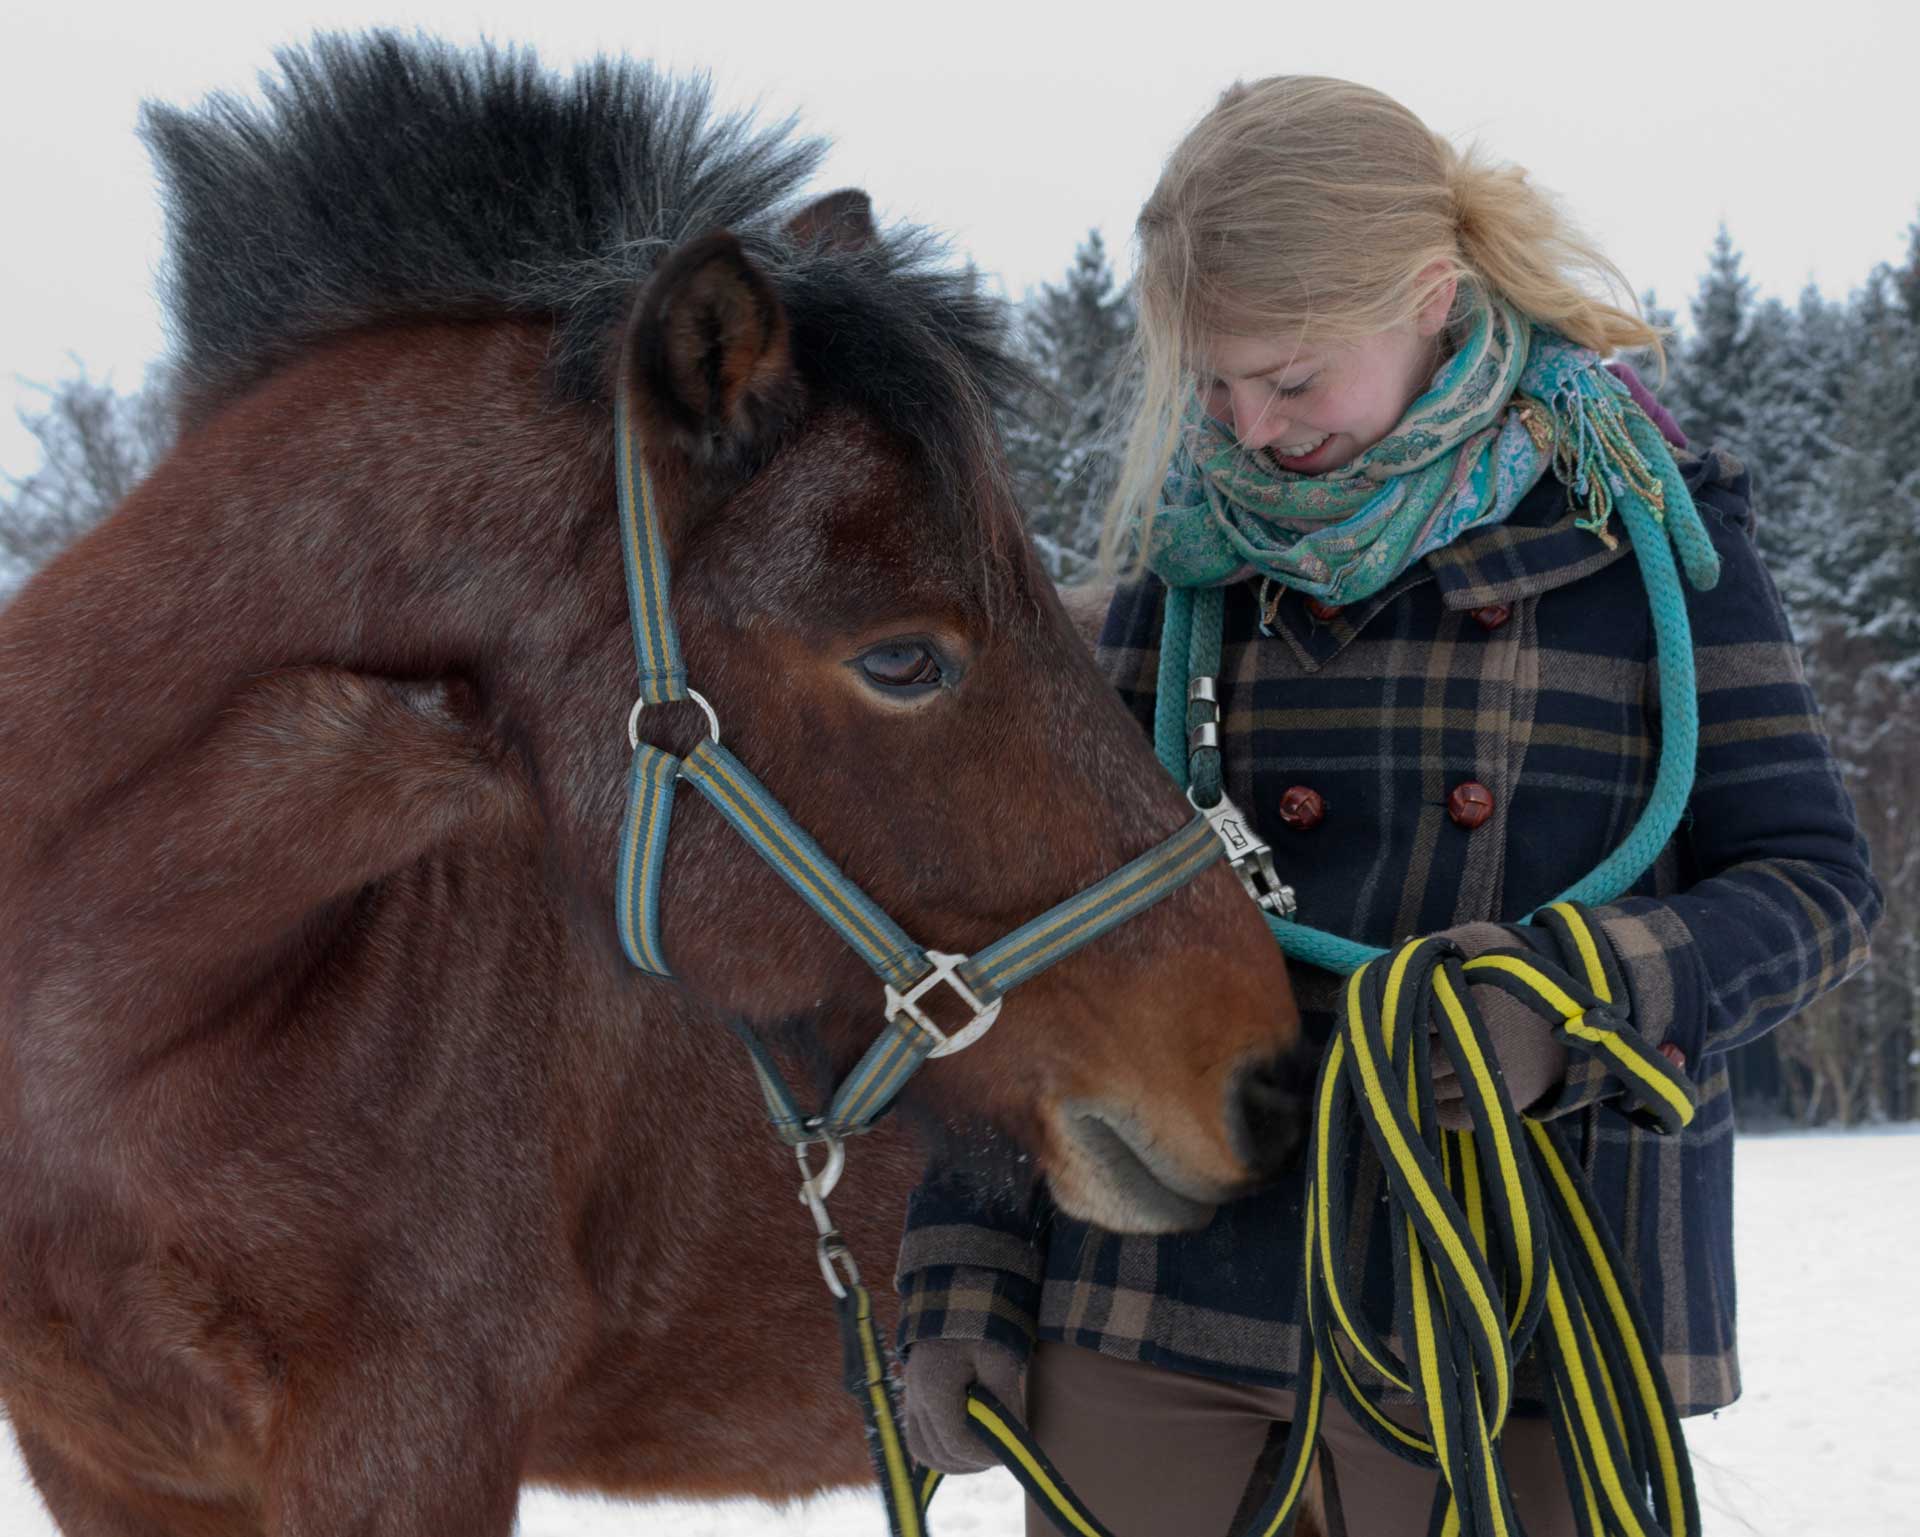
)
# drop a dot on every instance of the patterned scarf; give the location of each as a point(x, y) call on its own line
point(1513, 401)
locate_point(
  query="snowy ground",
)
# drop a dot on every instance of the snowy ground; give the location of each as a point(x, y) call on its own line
point(1829, 1243)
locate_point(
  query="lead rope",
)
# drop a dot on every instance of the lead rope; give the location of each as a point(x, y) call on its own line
point(1493, 1228)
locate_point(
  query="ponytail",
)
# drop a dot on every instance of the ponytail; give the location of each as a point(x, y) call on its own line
point(1516, 240)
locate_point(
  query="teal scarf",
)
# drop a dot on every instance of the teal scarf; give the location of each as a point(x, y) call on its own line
point(1512, 401)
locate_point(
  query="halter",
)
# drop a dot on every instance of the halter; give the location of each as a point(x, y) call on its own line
point(908, 972)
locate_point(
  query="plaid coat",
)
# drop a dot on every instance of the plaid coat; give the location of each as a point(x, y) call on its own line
point(1520, 658)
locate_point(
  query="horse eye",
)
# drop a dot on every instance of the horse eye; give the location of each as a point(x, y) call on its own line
point(904, 666)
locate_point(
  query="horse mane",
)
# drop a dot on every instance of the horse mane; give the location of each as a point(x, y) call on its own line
point(387, 178)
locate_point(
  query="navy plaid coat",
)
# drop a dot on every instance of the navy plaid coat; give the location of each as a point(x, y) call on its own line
point(1519, 659)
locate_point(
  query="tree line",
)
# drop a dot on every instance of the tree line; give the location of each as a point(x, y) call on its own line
point(1820, 398)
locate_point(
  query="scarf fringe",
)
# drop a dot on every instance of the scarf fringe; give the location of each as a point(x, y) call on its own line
point(1594, 455)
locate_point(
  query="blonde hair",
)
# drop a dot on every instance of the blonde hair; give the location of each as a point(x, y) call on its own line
point(1302, 205)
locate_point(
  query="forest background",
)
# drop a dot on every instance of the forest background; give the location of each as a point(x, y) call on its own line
point(1819, 397)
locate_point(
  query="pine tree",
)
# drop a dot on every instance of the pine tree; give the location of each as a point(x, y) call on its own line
point(1712, 363)
point(1864, 538)
point(1064, 438)
point(1822, 401)
point(1790, 402)
point(1906, 277)
point(1869, 490)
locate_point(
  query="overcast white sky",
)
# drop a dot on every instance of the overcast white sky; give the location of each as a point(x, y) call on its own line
point(1016, 127)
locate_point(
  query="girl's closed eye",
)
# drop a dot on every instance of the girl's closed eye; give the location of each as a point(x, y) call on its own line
point(1294, 391)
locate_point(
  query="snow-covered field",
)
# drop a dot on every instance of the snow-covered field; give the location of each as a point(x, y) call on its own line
point(1829, 1245)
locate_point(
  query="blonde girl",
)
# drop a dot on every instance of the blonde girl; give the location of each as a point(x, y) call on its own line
point(1376, 413)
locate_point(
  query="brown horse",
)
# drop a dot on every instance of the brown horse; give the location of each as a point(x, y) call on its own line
point(349, 1177)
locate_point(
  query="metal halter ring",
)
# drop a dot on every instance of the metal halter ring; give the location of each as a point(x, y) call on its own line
point(945, 969)
point(633, 718)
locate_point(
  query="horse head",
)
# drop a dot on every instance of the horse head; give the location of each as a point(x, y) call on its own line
point(852, 577)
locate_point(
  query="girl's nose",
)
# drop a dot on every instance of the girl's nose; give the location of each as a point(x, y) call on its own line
point(1256, 419)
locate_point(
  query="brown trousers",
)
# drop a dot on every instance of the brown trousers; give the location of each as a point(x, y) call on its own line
point(1158, 1453)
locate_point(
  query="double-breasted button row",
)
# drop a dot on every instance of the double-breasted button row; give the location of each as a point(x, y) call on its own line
point(1303, 808)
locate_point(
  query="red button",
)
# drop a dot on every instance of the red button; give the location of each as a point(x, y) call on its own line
point(1302, 808)
point(1324, 612)
point(1470, 804)
point(1492, 616)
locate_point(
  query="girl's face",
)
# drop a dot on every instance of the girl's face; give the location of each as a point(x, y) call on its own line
point(1315, 407)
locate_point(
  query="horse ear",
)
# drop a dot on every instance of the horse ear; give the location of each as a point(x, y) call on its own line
point(840, 221)
point(709, 353)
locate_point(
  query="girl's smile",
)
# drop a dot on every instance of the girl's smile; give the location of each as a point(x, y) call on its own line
point(1314, 408)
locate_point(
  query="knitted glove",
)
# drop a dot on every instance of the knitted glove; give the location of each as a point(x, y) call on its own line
point(1523, 1044)
point(938, 1375)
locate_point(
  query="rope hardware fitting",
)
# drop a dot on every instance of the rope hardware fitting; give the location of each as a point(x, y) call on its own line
point(1248, 854)
point(830, 1248)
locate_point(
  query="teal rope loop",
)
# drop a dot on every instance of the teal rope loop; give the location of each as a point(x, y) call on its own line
point(1190, 645)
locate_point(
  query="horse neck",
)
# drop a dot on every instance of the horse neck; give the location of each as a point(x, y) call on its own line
point(361, 508)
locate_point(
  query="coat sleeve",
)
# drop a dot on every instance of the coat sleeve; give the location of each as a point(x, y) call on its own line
point(970, 1264)
point(1780, 898)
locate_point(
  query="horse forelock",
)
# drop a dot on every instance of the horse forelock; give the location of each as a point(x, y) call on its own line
point(385, 179)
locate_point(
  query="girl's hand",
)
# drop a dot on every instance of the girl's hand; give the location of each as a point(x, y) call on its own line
point(1523, 1046)
point(938, 1374)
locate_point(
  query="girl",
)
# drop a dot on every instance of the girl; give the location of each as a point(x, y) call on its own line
point(1374, 411)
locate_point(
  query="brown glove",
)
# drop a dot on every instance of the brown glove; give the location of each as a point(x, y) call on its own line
point(939, 1372)
point(1523, 1044)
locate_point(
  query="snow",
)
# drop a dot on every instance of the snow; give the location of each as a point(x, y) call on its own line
point(1828, 1233)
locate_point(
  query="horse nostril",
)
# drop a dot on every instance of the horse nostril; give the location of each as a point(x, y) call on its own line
point(1274, 1098)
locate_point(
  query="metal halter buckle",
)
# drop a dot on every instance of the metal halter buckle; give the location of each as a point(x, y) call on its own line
point(1251, 859)
point(945, 969)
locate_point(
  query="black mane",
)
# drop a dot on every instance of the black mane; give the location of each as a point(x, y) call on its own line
point(390, 178)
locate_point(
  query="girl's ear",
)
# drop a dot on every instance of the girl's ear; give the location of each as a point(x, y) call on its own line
point(1432, 316)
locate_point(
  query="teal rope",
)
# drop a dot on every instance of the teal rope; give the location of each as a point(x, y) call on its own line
point(1204, 776)
point(1176, 671)
point(1191, 643)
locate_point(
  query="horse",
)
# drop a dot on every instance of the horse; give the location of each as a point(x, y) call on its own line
point(350, 1178)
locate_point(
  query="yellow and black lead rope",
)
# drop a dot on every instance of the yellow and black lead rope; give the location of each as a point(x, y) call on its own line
point(1496, 1245)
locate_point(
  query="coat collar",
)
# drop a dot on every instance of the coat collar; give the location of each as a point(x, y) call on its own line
point(1536, 550)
